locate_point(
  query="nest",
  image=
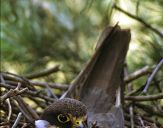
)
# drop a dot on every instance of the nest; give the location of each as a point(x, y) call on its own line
point(22, 101)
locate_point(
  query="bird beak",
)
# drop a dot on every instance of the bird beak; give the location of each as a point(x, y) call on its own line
point(79, 124)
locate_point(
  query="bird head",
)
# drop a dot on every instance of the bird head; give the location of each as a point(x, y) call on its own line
point(65, 113)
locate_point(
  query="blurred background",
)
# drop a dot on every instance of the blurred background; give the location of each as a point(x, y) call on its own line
point(39, 34)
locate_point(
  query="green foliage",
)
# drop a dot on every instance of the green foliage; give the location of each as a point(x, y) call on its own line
point(38, 33)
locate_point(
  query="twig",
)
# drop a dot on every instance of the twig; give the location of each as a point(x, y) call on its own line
point(139, 90)
point(9, 109)
point(156, 83)
point(40, 103)
point(50, 93)
point(25, 125)
point(131, 116)
point(26, 109)
point(144, 98)
point(136, 91)
point(149, 109)
point(127, 117)
point(23, 110)
point(43, 73)
point(135, 75)
point(42, 84)
point(137, 122)
point(4, 124)
point(128, 125)
point(52, 85)
point(17, 120)
point(5, 107)
point(130, 88)
point(140, 20)
point(152, 76)
point(145, 118)
point(11, 78)
point(14, 77)
point(13, 92)
point(141, 121)
point(29, 92)
point(2, 79)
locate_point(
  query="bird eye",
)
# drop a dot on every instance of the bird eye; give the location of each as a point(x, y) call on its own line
point(63, 118)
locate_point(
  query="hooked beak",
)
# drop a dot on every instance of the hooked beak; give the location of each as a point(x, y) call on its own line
point(79, 124)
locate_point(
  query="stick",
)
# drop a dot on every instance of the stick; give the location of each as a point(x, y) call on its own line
point(29, 92)
point(144, 98)
point(149, 109)
point(130, 88)
point(28, 110)
point(52, 85)
point(14, 77)
point(140, 20)
point(9, 109)
point(23, 109)
point(141, 121)
point(152, 76)
point(131, 116)
point(43, 73)
point(13, 92)
point(50, 92)
point(140, 72)
point(17, 120)
point(11, 78)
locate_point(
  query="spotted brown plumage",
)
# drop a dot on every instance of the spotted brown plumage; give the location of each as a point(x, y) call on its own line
point(65, 113)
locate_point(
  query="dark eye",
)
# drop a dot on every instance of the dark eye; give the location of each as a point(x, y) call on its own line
point(63, 118)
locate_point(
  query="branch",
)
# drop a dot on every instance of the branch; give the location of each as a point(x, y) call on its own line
point(140, 72)
point(136, 91)
point(50, 92)
point(14, 77)
point(9, 109)
point(43, 73)
point(149, 109)
point(29, 92)
point(140, 20)
point(30, 114)
point(131, 107)
point(11, 78)
point(52, 85)
point(144, 98)
point(141, 121)
point(145, 118)
point(152, 76)
point(13, 92)
point(17, 120)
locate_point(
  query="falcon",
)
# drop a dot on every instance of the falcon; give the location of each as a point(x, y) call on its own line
point(63, 113)
point(97, 86)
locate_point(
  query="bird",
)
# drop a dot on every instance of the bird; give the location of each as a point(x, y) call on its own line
point(63, 113)
point(97, 86)
point(100, 83)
